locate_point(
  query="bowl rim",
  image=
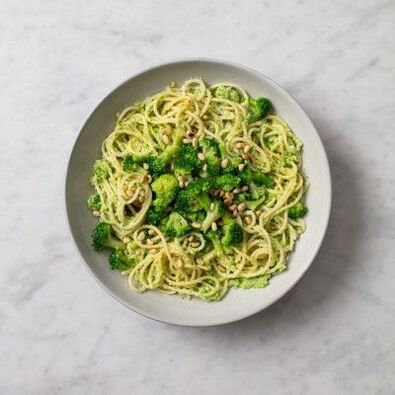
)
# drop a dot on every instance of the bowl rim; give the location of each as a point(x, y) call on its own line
point(325, 166)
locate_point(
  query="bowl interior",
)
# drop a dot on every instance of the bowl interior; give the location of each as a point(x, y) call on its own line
point(238, 303)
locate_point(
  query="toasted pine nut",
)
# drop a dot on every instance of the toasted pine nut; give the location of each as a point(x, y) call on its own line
point(214, 226)
point(126, 240)
point(196, 225)
point(166, 139)
point(244, 188)
point(141, 236)
point(201, 156)
point(180, 263)
point(186, 141)
point(235, 213)
point(236, 190)
point(205, 116)
point(150, 242)
point(190, 238)
point(145, 166)
point(247, 149)
point(241, 166)
point(224, 163)
point(239, 145)
point(96, 213)
point(151, 232)
point(233, 207)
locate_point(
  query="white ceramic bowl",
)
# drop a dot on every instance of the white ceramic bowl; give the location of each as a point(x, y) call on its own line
point(237, 304)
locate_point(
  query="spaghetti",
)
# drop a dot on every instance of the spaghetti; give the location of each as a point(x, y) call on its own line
point(257, 151)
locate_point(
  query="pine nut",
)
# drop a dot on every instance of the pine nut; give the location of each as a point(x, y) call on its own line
point(150, 242)
point(212, 206)
point(239, 145)
point(205, 167)
point(233, 207)
point(137, 252)
point(96, 213)
point(241, 166)
point(145, 166)
point(244, 188)
point(195, 143)
point(180, 263)
point(258, 212)
point(190, 238)
point(205, 116)
point(235, 213)
point(236, 190)
point(151, 232)
point(247, 149)
point(166, 139)
point(186, 141)
point(196, 225)
point(224, 163)
point(241, 207)
point(214, 226)
point(201, 156)
point(141, 236)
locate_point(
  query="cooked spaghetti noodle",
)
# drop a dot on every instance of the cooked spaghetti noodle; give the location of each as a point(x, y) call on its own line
point(257, 153)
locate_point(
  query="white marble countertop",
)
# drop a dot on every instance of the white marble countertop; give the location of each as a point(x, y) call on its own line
point(334, 333)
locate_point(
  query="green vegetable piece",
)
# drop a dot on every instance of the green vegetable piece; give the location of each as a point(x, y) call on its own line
point(94, 202)
point(128, 163)
point(213, 215)
point(119, 261)
point(233, 233)
point(186, 161)
point(258, 109)
point(215, 237)
point(175, 226)
point(227, 182)
point(102, 238)
point(299, 210)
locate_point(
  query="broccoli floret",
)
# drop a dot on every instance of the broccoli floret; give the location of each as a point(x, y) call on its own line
point(101, 169)
point(233, 233)
point(128, 163)
point(215, 237)
point(213, 215)
point(186, 161)
point(194, 196)
point(227, 182)
point(263, 179)
point(227, 92)
point(299, 210)
point(175, 226)
point(119, 261)
point(157, 167)
point(102, 237)
point(258, 108)
point(247, 176)
point(94, 202)
point(154, 215)
point(210, 150)
point(165, 187)
point(196, 216)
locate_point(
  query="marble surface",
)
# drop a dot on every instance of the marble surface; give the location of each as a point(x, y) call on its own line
point(334, 333)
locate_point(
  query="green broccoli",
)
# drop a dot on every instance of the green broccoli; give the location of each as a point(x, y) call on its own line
point(233, 233)
point(213, 215)
point(194, 196)
point(228, 93)
point(157, 167)
point(154, 215)
point(101, 169)
point(196, 216)
point(129, 163)
point(165, 187)
point(119, 261)
point(227, 182)
point(258, 109)
point(215, 237)
point(175, 225)
point(102, 237)
point(210, 150)
point(186, 160)
point(299, 210)
point(247, 176)
point(94, 202)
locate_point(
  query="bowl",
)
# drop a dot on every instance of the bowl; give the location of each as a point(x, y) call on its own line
point(237, 304)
